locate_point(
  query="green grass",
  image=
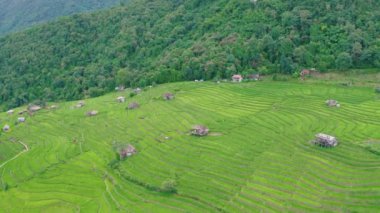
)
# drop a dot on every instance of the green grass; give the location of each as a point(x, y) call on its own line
point(261, 160)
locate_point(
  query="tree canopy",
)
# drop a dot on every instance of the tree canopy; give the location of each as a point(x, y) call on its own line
point(20, 14)
point(160, 41)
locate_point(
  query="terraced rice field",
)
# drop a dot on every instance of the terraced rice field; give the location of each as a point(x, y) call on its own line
point(258, 157)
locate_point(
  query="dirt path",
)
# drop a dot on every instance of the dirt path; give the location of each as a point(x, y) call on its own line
point(26, 148)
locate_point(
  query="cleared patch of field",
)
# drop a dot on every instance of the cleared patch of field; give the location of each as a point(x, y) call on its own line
point(257, 157)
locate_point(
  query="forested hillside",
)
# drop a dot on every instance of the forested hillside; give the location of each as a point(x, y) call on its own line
point(160, 41)
point(19, 14)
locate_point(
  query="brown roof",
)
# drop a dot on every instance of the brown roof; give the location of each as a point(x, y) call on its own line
point(34, 108)
point(237, 77)
point(325, 140)
point(133, 105)
point(168, 96)
point(127, 152)
point(199, 130)
point(92, 113)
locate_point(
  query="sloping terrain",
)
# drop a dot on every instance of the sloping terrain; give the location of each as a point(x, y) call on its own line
point(164, 41)
point(20, 14)
point(257, 157)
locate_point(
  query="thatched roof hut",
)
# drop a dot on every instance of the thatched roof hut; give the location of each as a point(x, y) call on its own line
point(92, 113)
point(237, 78)
point(305, 72)
point(120, 99)
point(168, 96)
point(6, 128)
point(10, 112)
point(325, 140)
point(80, 104)
point(21, 119)
point(199, 130)
point(137, 91)
point(133, 105)
point(332, 103)
point(34, 108)
point(127, 151)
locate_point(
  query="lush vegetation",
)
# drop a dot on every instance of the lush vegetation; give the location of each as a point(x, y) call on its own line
point(161, 41)
point(258, 155)
point(19, 14)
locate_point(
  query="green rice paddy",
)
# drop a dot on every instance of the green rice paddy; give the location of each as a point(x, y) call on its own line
point(257, 158)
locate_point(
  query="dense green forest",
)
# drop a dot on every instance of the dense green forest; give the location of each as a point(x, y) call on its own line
point(147, 42)
point(19, 14)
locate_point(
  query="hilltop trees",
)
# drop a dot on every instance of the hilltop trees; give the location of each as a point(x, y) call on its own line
point(343, 61)
point(162, 41)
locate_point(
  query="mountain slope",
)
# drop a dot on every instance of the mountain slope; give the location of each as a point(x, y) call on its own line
point(163, 41)
point(257, 157)
point(19, 14)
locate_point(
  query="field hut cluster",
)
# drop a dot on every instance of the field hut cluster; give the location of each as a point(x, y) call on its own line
point(321, 139)
point(325, 140)
point(308, 72)
point(239, 78)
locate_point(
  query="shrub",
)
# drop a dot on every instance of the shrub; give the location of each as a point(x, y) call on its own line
point(115, 162)
point(377, 90)
point(169, 186)
point(95, 92)
point(132, 94)
point(4, 187)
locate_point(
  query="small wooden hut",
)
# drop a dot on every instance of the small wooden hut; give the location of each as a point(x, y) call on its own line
point(127, 151)
point(120, 99)
point(133, 105)
point(325, 140)
point(6, 128)
point(21, 119)
point(80, 104)
point(137, 91)
point(199, 130)
point(168, 96)
point(237, 78)
point(92, 113)
point(34, 108)
point(332, 103)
